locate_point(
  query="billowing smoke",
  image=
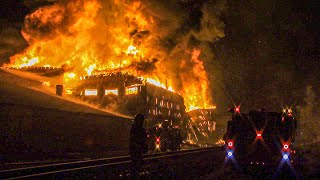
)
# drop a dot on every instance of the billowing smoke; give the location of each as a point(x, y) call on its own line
point(11, 20)
point(10, 43)
point(309, 120)
point(165, 40)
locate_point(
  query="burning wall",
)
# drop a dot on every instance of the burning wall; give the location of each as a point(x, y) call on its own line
point(166, 43)
point(132, 95)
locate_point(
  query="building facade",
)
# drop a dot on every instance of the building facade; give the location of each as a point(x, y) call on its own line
point(131, 95)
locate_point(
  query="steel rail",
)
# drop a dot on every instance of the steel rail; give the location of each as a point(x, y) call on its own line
point(52, 169)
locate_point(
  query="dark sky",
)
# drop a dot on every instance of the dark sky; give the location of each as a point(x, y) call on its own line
point(269, 55)
point(12, 13)
point(270, 52)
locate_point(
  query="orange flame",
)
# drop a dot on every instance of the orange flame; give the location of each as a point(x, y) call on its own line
point(196, 94)
point(88, 36)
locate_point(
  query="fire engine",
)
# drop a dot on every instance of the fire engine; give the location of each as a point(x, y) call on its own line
point(260, 138)
point(164, 137)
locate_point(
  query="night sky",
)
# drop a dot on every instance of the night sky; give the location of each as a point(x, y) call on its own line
point(267, 58)
point(270, 52)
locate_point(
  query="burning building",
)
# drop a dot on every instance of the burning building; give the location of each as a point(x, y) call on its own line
point(163, 51)
point(130, 95)
point(83, 37)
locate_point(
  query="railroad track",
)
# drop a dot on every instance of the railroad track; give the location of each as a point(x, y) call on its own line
point(65, 169)
point(69, 157)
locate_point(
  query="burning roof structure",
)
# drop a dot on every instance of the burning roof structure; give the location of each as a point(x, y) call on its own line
point(43, 71)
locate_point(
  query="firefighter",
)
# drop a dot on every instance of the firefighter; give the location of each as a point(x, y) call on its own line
point(138, 144)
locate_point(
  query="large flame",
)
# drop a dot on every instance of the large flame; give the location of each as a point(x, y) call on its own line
point(197, 92)
point(88, 36)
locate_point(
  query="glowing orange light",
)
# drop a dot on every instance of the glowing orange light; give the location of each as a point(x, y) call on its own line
point(220, 142)
point(71, 75)
point(111, 92)
point(90, 69)
point(68, 91)
point(131, 90)
point(132, 50)
point(46, 83)
point(90, 92)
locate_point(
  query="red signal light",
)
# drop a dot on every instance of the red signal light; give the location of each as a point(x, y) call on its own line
point(237, 109)
point(286, 147)
point(230, 144)
point(259, 134)
point(158, 140)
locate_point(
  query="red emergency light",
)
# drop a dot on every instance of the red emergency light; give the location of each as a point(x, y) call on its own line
point(237, 109)
point(230, 144)
point(259, 135)
point(285, 146)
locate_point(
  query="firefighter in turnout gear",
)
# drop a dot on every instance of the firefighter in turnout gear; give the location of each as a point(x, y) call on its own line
point(138, 144)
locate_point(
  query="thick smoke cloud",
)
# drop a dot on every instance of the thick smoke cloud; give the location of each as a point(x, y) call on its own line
point(10, 42)
point(11, 19)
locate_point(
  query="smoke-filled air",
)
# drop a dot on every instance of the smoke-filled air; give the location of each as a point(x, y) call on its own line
point(164, 43)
